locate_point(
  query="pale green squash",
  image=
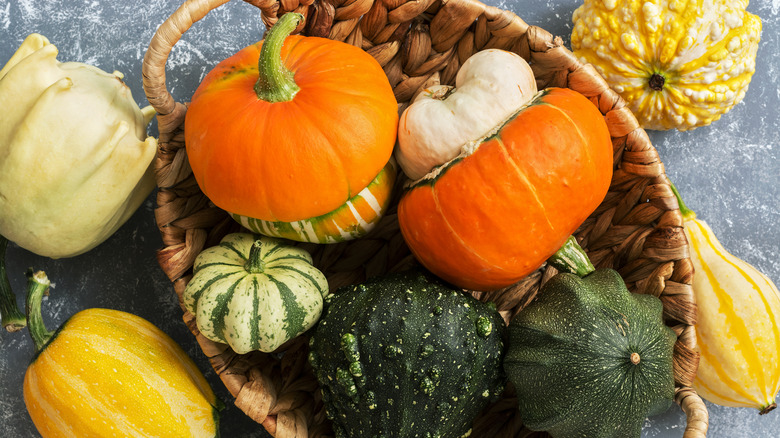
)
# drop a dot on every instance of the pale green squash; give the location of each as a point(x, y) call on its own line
point(254, 293)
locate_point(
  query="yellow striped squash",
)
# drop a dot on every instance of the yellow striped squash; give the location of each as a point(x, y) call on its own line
point(352, 220)
point(107, 373)
point(737, 331)
point(678, 63)
point(254, 293)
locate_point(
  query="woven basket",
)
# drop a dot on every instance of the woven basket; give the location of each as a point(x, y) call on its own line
point(636, 230)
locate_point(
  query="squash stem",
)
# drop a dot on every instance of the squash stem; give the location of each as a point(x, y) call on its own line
point(686, 212)
point(768, 409)
point(12, 318)
point(657, 81)
point(255, 263)
point(37, 286)
point(571, 258)
point(276, 83)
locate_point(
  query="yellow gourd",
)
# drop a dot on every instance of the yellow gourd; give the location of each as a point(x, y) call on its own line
point(679, 63)
point(110, 373)
point(737, 332)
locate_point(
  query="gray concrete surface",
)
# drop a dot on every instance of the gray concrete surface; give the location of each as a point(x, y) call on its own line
point(728, 172)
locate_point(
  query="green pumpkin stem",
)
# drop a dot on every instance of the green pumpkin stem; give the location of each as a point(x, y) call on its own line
point(12, 318)
point(37, 286)
point(686, 212)
point(255, 263)
point(571, 258)
point(276, 83)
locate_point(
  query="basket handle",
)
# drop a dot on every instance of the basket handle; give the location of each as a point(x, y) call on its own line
point(169, 33)
point(697, 417)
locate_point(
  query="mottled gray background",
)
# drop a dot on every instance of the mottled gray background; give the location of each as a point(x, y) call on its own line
point(729, 173)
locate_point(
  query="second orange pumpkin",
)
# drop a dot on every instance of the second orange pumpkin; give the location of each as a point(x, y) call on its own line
point(304, 154)
point(489, 218)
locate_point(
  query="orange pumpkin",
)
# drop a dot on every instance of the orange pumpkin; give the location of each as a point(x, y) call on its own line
point(287, 129)
point(495, 213)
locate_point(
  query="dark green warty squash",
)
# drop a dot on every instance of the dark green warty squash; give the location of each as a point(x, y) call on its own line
point(590, 359)
point(405, 355)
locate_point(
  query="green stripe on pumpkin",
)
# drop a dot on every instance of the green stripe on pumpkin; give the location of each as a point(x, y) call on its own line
point(219, 310)
point(290, 258)
point(232, 247)
point(195, 296)
point(296, 314)
point(315, 230)
point(254, 333)
point(305, 275)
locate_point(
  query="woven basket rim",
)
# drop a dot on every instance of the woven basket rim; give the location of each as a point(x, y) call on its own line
point(188, 222)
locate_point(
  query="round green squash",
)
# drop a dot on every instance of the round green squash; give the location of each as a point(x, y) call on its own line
point(590, 359)
point(254, 293)
point(405, 355)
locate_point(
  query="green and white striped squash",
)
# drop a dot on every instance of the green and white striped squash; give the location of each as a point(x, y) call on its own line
point(352, 220)
point(254, 293)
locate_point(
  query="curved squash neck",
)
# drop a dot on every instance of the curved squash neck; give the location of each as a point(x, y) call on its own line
point(12, 318)
point(686, 212)
point(276, 83)
point(37, 286)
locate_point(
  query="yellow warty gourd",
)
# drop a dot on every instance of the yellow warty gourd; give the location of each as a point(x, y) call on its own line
point(737, 331)
point(678, 63)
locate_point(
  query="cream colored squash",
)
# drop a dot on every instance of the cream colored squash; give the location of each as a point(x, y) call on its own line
point(679, 64)
point(490, 86)
point(75, 161)
point(737, 329)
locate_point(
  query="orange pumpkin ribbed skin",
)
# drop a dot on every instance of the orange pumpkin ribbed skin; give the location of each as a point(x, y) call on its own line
point(492, 217)
point(294, 160)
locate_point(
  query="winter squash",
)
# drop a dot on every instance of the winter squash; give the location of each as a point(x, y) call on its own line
point(254, 293)
point(678, 64)
point(587, 357)
point(512, 197)
point(490, 86)
point(737, 330)
point(352, 220)
point(405, 355)
point(286, 130)
point(70, 135)
point(111, 373)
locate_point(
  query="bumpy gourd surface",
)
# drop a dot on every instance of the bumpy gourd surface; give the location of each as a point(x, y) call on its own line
point(406, 356)
point(680, 64)
point(570, 352)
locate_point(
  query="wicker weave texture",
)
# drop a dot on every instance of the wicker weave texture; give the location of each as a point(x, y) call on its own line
point(636, 230)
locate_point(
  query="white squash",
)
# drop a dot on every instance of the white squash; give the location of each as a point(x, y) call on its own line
point(442, 120)
point(75, 161)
